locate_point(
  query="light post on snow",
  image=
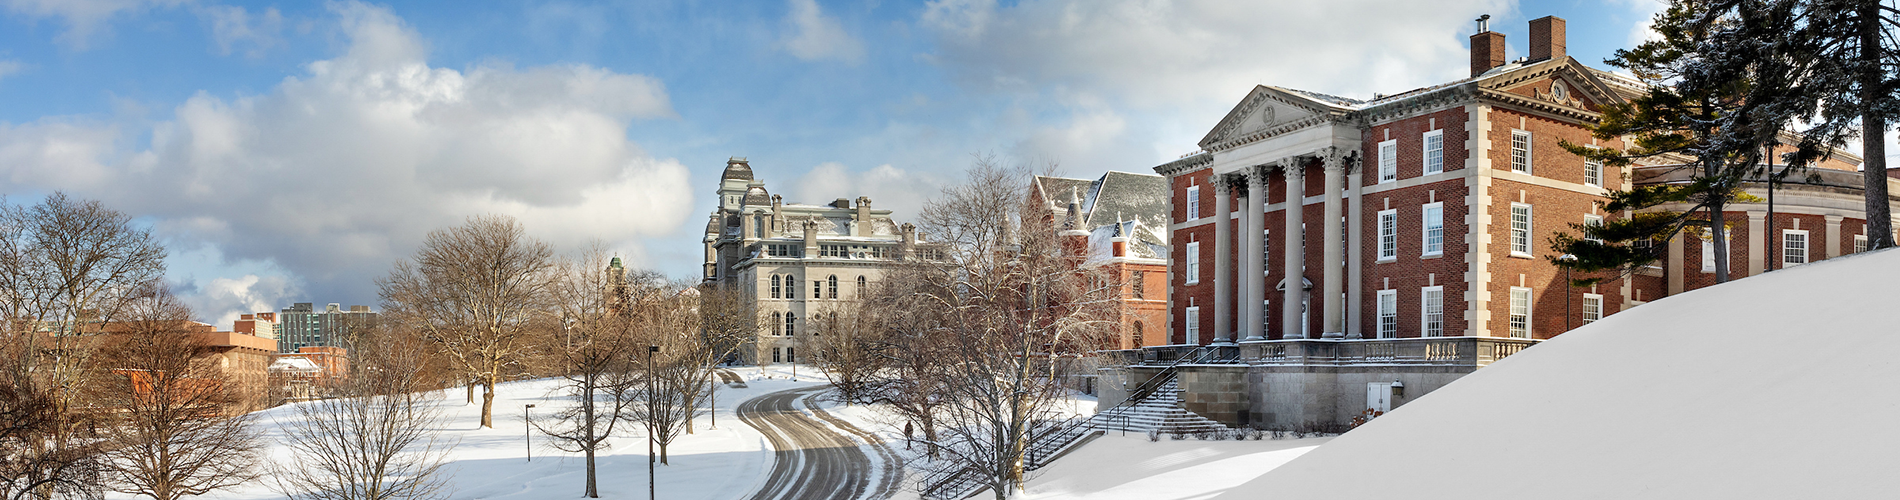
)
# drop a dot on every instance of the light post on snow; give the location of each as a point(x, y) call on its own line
point(651, 350)
point(1567, 259)
point(527, 431)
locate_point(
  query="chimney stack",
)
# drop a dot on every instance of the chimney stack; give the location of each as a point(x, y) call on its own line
point(1487, 47)
point(1547, 38)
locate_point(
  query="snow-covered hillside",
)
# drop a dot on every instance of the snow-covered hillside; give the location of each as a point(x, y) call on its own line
point(1771, 387)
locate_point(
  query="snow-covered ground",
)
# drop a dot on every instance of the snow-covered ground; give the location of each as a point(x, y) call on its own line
point(1117, 467)
point(1769, 387)
point(715, 463)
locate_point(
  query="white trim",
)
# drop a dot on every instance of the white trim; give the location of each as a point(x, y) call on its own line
point(1388, 161)
point(1592, 180)
point(1590, 316)
point(1193, 266)
point(1193, 203)
point(1388, 314)
point(1425, 296)
point(1529, 230)
point(1388, 244)
point(1807, 247)
point(1425, 229)
point(1192, 316)
point(1425, 147)
point(1860, 243)
point(1511, 315)
point(1527, 157)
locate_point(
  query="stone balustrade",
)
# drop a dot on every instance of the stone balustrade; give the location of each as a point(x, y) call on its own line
point(1451, 351)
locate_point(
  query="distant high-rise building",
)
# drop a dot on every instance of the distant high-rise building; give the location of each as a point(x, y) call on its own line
point(262, 325)
point(300, 325)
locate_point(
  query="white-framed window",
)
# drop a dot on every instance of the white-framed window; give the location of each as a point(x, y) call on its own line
point(1521, 151)
point(1192, 317)
point(1860, 243)
point(1389, 161)
point(1434, 228)
point(1520, 229)
point(1193, 202)
point(1520, 312)
point(1590, 225)
point(1432, 311)
point(1794, 247)
point(1388, 234)
point(817, 289)
point(1593, 173)
point(1708, 250)
point(1592, 308)
point(1434, 152)
point(1388, 314)
point(1193, 262)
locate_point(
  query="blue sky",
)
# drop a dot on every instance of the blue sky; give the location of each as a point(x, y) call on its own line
point(289, 152)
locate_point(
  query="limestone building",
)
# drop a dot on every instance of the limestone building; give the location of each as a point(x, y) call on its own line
point(795, 261)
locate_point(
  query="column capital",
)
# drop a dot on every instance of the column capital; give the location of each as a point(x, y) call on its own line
point(1336, 158)
point(1256, 177)
point(1291, 165)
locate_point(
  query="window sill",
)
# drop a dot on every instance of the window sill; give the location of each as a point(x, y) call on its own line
point(1439, 255)
point(1522, 255)
point(1386, 260)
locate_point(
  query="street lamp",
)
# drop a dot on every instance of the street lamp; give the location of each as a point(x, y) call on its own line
point(1567, 261)
point(527, 430)
point(651, 350)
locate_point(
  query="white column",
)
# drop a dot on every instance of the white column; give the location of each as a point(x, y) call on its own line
point(1757, 238)
point(1223, 257)
point(1295, 169)
point(1355, 219)
point(1254, 265)
point(1333, 275)
point(1834, 236)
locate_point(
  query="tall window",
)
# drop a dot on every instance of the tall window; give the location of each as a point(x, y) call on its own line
point(1388, 234)
point(1593, 173)
point(831, 285)
point(1194, 262)
point(778, 327)
point(1794, 247)
point(1520, 312)
point(1520, 151)
point(1193, 320)
point(758, 225)
point(1266, 252)
point(862, 285)
point(791, 286)
point(817, 289)
point(1708, 250)
point(1434, 152)
point(1434, 229)
point(1388, 314)
point(775, 285)
point(1590, 225)
point(1860, 243)
point(791, 355)
point(791, 324)
point(1139, 282)
point(1520, 229)
point(1432, 302)
point(1193, 202)
point(1388, 161)
point(1592, 308)
point(776, 353)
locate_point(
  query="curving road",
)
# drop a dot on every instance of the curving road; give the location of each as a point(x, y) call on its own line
point(812, 461)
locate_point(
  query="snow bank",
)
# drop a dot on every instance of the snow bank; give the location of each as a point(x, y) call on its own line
point(1770, 387)
point(1117, 467)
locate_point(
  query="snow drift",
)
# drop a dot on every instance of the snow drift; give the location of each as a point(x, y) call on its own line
point(1775, 386)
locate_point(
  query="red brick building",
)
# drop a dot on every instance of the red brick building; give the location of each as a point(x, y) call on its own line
point(1117, 224)
point(1428, 213)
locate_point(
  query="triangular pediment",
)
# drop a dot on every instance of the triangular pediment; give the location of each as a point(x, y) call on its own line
point(1267, 108)
point(1564, 83)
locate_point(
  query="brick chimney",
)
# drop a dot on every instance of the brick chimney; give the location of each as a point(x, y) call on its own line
point(1547, 38)
point(1487, 47)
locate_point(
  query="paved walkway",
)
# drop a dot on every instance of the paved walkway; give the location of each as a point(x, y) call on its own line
point(813, 461)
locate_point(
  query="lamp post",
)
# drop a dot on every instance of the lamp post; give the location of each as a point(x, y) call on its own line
point(651, 350)
point(527, 431)
point(1567, 259)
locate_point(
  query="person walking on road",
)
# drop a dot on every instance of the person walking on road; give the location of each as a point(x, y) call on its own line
point(907, 434)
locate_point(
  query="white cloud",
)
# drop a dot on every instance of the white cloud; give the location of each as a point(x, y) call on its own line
point(889, 187)
point(1645, 12)
point(335, 174)
point(812, 36)
point(232, 26)
point(83, 17)
point(8, 68)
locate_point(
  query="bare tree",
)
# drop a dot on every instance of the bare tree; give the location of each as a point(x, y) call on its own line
point(64, 264)
point(379, 439)
point(850, 351)
point(677, 374)
point(477, 290)
point(178, 425)
point(1007, 301)
point(597, 351)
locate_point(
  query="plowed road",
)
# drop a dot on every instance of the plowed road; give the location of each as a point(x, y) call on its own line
point(814, 461)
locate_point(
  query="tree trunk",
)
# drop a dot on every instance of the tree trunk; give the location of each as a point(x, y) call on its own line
point(488, 401)
point(663, 454)
point(1873, 130)
point(471, 390)
point(592, 492)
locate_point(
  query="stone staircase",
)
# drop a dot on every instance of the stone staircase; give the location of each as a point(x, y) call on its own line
point(1159, 411)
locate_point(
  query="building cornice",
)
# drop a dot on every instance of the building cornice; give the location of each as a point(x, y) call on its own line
point(1185, 165)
